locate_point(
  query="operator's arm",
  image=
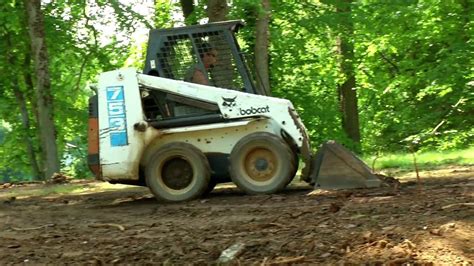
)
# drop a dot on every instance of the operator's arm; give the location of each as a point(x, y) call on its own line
point(199, 78)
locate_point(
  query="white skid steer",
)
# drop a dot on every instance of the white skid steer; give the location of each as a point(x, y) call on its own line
point(180, 138)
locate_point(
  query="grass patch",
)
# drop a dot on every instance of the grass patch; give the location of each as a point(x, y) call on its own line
point(424, 160)
point(45, 190)
point(41, 190)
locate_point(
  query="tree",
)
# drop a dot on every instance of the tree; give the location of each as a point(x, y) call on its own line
point(347, 89)
point(304, 68)
point(188, 8)
point(44, 96)
point(76, 51)
point(411, 62)
point(25, 120)
point(16, 87)
point(217, 10)
point(415, 72)
point(262, 42)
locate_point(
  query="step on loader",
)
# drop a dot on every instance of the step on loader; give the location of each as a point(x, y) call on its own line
point(195, 117)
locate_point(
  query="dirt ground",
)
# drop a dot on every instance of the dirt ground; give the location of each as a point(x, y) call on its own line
point(91, 222)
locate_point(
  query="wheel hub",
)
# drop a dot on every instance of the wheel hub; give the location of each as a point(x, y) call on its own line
point(260, 164)
point(177, 173)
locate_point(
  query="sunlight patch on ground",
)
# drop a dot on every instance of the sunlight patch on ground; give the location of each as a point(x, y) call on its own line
point(56, 190)
point(459, 171)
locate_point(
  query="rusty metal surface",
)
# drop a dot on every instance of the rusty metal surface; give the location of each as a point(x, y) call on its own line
point(93, 147)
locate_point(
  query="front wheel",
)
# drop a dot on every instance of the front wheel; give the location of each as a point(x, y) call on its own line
point(178, 172)
point(210, 187)
point(262, 163)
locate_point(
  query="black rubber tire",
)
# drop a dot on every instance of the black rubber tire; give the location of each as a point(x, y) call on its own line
point(210, 186)
point(293, 174)
point(249, 154)
point(197, 170)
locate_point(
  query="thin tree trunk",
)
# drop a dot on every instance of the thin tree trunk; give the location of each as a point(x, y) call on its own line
point(34, 103)
point(262, 42)
point(217, 10)
point(188, 8)
point(43, 87)
point(25, 119)
point(466, 21)
point(347, 92)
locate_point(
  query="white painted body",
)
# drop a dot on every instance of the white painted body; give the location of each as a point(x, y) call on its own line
point(247, 114)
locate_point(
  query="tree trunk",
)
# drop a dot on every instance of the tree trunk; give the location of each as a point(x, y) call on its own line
point(347, 92)
point(43, 87)
point(34, 104)
point(466, 11)
point(25, 119)
point(188, 8)
point(217, 10)
point(262, 41)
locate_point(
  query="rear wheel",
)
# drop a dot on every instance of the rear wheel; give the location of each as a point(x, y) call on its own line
point(262, 163)
point(178, 172)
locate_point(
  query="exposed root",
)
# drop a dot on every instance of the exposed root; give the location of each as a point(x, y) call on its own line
point(32, 228)
point(290, 260)
point(118, 226)
point(469, 204)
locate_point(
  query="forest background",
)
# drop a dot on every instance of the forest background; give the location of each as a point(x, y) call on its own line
point(378, 76)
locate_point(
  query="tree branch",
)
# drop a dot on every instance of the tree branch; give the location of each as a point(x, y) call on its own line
point(390, 62)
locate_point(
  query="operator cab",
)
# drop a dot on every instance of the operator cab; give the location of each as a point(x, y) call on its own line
point(174, 53)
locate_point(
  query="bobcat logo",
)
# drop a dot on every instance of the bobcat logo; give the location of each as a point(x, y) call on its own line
point(229, 102)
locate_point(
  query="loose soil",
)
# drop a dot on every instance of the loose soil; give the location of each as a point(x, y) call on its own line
point(92, 222)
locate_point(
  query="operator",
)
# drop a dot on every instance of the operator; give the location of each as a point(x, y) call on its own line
point(198, 74)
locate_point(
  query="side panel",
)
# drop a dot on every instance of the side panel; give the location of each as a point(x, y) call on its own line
point(217, 140)
point(234, 104)
point(119, 110)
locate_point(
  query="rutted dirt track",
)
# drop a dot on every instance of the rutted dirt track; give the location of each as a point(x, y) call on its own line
point(301, 226)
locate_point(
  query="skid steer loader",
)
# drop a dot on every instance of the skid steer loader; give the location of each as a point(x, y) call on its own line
point(181, 138)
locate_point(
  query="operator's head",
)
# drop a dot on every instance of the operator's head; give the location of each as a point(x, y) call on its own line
point(208, 55)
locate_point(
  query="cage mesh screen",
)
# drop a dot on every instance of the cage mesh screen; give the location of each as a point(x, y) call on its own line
point(225, 73)
point(181, 54)
point(176, 56)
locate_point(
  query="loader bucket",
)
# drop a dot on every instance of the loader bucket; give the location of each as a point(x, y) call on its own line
point(335, 167)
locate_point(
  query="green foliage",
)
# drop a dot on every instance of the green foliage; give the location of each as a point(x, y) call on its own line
point(414, 70)
point(304, 67)
point(49, 190)
point(425, 160)
point(78, 49)
point(417, 64)
point(413, 60)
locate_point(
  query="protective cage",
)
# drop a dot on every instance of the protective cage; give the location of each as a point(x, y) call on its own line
point(172, 53)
